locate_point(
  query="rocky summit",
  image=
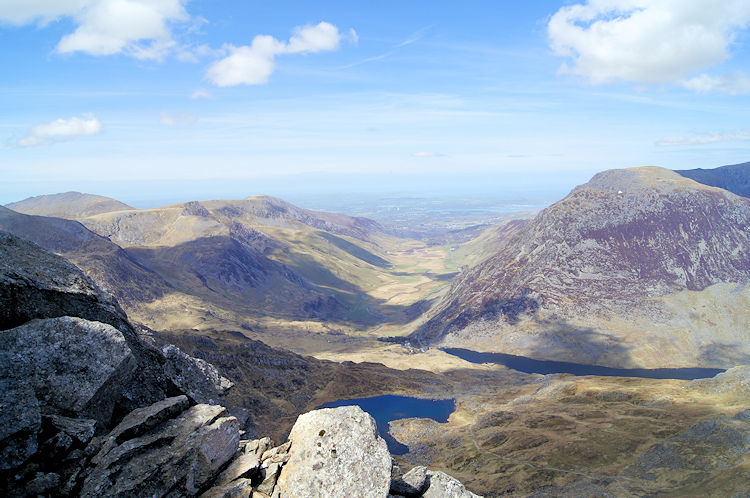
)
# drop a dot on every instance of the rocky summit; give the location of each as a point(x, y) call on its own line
point(90, 409)
point(616, 273)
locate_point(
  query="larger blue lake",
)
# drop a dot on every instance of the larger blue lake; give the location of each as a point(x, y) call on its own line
point(528, 365)
point(391, 407)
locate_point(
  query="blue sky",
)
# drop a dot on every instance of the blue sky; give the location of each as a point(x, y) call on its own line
point(170, 99)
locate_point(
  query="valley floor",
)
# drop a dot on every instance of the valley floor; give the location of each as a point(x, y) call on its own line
point(514, 433)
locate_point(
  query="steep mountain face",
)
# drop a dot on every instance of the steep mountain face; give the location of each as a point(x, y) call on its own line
point(599, 262)
point(70, 205)
point(735, 178)
point(107, 263)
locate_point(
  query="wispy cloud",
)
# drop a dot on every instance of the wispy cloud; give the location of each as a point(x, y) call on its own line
point(176, 119)
point(414, 37)
point(733, 84)
point(429, 154)
point(61, 129)
point(706, 138)
point(201, 93)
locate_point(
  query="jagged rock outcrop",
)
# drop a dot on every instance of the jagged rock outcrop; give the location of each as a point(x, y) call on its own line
point(612, 251)
point(90, 409)
point(336, 452)
point(70, 362)
point(178, 457)
point(37, 284)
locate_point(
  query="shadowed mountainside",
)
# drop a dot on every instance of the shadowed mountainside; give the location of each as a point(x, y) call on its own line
point(735, 177)
point(107, 263)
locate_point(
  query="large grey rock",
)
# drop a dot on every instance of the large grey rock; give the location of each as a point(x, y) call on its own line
point(241, 467)
point(178, 457)
point(441, 485)
point(412, 483)
point(241, 488)
point(145, 419)
point(72, 364)
point(80, 429)
point(335, 452)
point(20, 420)
point(197, 378)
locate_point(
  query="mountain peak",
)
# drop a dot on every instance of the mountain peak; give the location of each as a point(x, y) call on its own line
point(70, 205)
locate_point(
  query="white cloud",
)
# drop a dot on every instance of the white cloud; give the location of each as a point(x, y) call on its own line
point(176, 119)
point(253, 65)
point(61, 129)
point(645, 41)
point(306, 39)
point(201, 93)
point(706, 138)
point(138, 28)
point(20, 12)
point(113, 26)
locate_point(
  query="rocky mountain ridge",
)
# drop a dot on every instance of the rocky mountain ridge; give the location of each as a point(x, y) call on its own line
point(735, 177)
point(612, 248)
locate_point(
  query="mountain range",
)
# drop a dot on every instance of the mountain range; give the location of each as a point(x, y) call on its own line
point(214, 261)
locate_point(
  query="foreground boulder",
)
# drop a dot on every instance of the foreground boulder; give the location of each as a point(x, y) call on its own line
point(421, 482)
point(71, 364)
point(336, 452)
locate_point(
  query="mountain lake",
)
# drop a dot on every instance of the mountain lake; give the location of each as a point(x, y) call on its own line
point(529, 365)
point(391, 407)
